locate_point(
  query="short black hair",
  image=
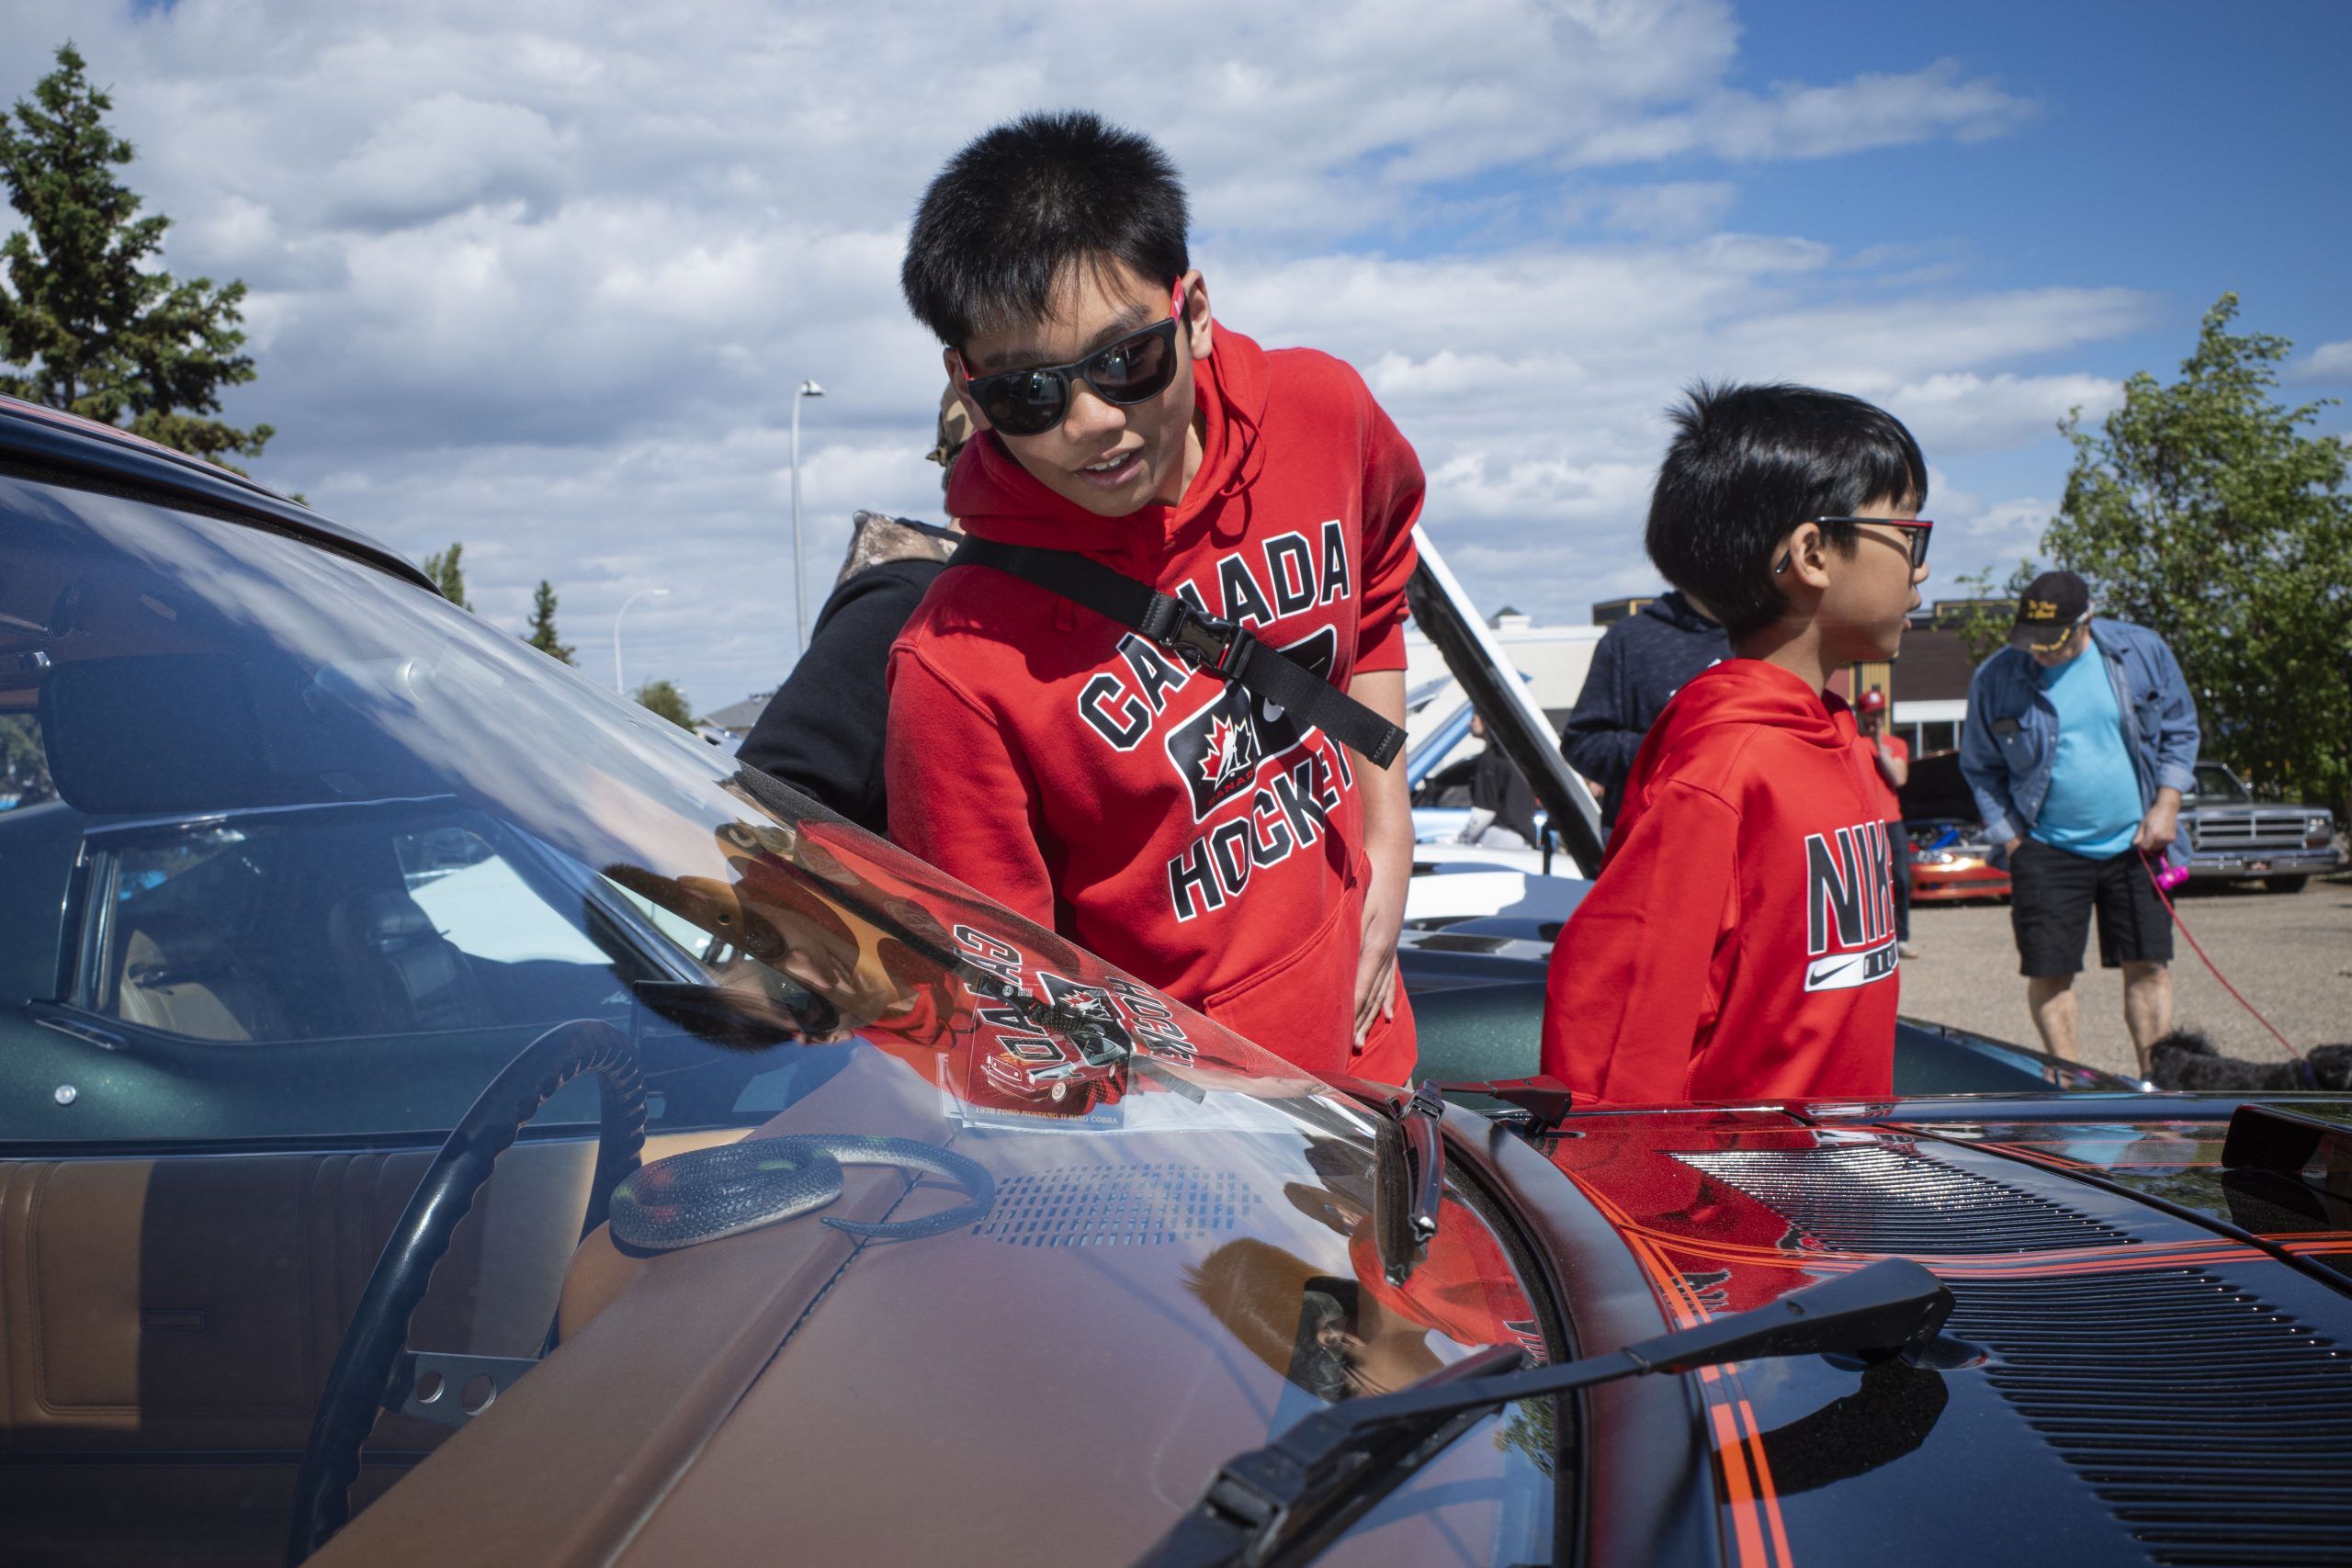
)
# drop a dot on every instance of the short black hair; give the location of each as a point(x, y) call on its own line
point(1747, 464)
point(1010, 212)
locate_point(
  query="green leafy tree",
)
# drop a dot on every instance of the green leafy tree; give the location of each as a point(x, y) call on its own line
point(664, 698)
point(1532, 1428)
point(1984, 625)
point(91, 322)
point(542, 633)
point(446, 568)
point(2204, 512)
point(23, 763)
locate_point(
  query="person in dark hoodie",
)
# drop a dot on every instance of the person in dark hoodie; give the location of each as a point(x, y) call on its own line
point(1502, 803)
point(1203, 840)
point(1636, 668)
point(822, 731)
point(1739, 942)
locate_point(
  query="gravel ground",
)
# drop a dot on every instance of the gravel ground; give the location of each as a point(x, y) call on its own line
point(2290, 954)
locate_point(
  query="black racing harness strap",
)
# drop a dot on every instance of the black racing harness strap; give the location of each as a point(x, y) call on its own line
point(1222, 647)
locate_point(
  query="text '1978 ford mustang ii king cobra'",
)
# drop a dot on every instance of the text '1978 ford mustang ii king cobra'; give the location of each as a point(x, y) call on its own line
point(450, 1116)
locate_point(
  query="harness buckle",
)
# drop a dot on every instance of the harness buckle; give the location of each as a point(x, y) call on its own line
point(1205, 641)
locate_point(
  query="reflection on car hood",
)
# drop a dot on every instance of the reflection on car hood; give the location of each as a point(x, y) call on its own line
point(2091, 1373)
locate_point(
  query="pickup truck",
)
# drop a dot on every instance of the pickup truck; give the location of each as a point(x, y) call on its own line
point(2231, 838)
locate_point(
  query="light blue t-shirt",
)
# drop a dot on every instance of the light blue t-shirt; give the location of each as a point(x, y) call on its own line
point(2093, 808)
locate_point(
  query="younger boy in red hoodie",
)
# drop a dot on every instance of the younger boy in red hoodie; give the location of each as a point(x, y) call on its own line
point(1739, 942)
point(1204, 841)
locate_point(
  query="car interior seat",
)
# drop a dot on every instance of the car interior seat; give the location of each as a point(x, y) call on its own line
point(406, 974)
point(181, 978)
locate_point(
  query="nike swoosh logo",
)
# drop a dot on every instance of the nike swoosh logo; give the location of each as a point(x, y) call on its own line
point(1819, 973)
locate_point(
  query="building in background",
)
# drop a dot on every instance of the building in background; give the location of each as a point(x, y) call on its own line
point(1609, 612)
point(1926, 685)
point(1553, 658)
point(725, 727)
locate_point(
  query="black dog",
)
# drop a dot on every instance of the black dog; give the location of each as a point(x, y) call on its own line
point(2186, 1059)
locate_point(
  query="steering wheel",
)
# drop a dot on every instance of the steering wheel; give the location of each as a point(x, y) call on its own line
point(370, 1354)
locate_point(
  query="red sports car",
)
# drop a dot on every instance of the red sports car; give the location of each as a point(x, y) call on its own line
point(1950, 859)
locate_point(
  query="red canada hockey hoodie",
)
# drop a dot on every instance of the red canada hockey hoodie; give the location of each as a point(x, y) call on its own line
point(1739, 942)
point(1196, 837)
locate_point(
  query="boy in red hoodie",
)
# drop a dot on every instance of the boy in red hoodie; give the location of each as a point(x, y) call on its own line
point(1739, 942)
point(1202, 839)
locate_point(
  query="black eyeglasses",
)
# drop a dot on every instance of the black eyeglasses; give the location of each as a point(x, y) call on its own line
point(1916, 528)
point(1031, 401)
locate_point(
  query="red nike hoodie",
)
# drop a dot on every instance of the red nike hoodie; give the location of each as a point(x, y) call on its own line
point(1196, 837)
point(1739, 942)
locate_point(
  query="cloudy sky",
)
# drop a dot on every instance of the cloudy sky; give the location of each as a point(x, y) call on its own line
point(542, 278)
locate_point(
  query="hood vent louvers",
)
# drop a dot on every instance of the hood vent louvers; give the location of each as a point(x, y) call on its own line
point(2217, 1428)
point(1870, 1197)
point(2214, 1428)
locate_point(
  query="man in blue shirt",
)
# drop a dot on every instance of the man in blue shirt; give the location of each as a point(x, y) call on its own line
point(2078, 764)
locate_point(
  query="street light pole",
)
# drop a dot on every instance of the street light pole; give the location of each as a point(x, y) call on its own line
point(657, 592)
point(800, 571)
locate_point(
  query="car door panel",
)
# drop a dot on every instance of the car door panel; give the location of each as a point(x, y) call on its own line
point(194, 1302)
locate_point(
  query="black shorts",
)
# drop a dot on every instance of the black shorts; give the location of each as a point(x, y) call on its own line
point(2052, 893)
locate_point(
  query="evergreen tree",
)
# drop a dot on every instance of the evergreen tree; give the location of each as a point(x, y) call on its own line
point(542, 633)
point(664, 698)
point(448, 575)
point(90, 324)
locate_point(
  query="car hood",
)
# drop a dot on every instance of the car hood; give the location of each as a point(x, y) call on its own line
point(1053, 1382)
point(2113, 1307)
point(1013, 1394)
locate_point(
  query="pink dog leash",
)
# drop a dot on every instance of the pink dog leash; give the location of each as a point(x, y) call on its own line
point(2173, 877)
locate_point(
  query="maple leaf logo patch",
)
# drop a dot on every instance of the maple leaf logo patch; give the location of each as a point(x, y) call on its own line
point(1216, 752)
point(1223, 753)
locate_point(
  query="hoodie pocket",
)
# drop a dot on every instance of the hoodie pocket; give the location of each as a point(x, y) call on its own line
point(1301, 1007)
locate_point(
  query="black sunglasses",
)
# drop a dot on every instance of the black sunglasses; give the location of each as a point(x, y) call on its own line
point(1031, 401)
point(1918, 530)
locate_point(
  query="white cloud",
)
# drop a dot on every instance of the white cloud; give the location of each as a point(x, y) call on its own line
point(543, 278)
point(1673, 211)
point(2328, 362)
point(1976, 535)
point(1963, 412)
point(1798, 119)
point(2008, 527)
point(445, 154)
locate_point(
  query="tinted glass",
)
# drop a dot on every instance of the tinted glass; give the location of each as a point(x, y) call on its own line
point(1024, 403)
point(318, 853)
point(2215, 787)
point(1133, 368)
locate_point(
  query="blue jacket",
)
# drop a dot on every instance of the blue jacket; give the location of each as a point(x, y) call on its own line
point(1641, 662)
point(2011, 737)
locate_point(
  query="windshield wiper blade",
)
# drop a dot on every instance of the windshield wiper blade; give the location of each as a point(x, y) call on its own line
point(1285, 1502)
point(1544, 1099)
point(1411, 1181)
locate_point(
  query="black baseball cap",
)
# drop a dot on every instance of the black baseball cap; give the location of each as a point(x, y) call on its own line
point(2053, 605)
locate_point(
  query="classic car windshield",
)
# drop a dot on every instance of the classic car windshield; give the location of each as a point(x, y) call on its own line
point(294, 849)
point(2216, 786)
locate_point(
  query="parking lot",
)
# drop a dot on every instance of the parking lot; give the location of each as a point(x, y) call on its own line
point(2290, 955)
